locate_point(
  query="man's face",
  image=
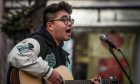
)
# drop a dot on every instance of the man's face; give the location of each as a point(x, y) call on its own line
point(61, 26)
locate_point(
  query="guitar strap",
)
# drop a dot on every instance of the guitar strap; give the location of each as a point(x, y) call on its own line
point(14, 77)
point(8, 75)
point(43, 81)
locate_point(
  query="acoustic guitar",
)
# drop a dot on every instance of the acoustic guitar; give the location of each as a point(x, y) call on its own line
point(21, 77)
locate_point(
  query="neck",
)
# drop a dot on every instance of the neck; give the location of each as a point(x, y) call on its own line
point(57, 42)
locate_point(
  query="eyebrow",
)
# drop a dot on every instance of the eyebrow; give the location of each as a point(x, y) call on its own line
point(66, 16)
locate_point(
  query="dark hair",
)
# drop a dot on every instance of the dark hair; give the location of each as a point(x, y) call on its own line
point(50, 11)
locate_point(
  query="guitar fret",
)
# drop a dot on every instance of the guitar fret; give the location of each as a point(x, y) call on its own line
point(78, 82)
point(105, 81)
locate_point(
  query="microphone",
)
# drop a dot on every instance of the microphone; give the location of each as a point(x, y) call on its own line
point(106, 40)
point(112, 46)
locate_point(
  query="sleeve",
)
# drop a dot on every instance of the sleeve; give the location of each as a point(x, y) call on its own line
point(25, 56)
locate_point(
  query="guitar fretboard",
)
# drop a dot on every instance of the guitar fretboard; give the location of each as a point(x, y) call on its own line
point(103, 81)
point(78, 82)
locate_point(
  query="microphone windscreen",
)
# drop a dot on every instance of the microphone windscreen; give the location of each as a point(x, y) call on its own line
point(103, 37)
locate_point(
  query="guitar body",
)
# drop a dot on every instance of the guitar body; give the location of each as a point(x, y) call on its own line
point(26, 78)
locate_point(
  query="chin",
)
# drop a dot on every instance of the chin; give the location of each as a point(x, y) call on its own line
point(66, 39)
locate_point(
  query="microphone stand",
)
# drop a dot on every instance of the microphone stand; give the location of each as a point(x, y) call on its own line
point(112, 52)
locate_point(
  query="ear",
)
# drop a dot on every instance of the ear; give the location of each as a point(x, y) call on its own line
point(49, 26)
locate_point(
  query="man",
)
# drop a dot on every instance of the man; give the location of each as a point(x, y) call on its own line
point(43, 52)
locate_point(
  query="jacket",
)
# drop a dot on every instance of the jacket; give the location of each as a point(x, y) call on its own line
point(27, 56)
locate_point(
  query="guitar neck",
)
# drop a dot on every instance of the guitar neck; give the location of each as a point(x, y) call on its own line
point(103, 81)
point(78, 82)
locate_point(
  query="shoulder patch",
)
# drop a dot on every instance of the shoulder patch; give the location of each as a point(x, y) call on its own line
point(25, 47)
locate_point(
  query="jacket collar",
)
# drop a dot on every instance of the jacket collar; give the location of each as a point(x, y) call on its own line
point(48, 37)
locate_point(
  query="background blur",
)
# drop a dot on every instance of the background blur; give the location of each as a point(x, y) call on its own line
point(119, 20)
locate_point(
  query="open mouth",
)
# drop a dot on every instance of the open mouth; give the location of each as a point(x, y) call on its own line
point(68, 31)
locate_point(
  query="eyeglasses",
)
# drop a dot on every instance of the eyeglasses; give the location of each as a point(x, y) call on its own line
point(64, 19)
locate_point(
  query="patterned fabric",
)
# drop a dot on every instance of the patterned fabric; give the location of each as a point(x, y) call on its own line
point(51, 59)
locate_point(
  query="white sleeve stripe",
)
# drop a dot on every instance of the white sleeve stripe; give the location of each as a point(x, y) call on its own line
point(47, 72)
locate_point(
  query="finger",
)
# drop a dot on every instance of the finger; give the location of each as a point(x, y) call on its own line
point(96, 79)
point(59, 80)
point(96, 82)
point(56, 81)
point(63, 81)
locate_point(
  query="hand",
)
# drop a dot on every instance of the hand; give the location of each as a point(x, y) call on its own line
point(55, 78)
point(96, 80)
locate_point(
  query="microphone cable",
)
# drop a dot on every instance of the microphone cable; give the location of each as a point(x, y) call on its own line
point(125, 61)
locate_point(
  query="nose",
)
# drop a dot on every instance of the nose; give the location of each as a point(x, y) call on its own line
point(69, 23)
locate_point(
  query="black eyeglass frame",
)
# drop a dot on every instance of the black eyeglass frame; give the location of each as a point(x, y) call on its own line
point(64, 19)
